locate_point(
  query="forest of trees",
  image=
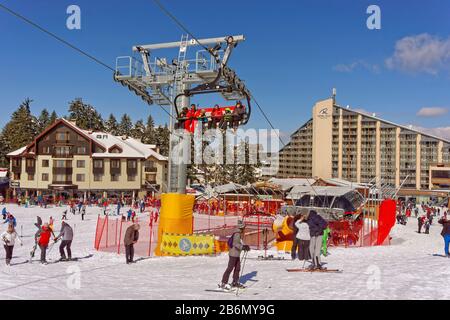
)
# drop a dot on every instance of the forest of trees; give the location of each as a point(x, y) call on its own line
point(23, 127)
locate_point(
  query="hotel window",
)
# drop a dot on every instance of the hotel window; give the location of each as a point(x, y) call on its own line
point(132, 178)
point(80, 177)
point(115, 164)
point(45, 177)
point(30, 162)
point(17, 162)
point(81, 164)
point(62, 136)
point(45, 163)
point(81, 150)
point(98, 177)
point(62, 178)
point(46, 150)
point(62, 151)
point(30, 177)
point(132, 164)
point(62, 164)
point(98, 164)
point(115, 177)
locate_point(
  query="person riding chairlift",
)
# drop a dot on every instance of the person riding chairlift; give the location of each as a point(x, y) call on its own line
point(192, 116)
point(182, 119)
point(227, 120)
point(203, 119)
point(238, 114)
point(216, 117)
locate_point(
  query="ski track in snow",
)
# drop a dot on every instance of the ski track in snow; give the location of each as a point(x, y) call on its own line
point(406, 269)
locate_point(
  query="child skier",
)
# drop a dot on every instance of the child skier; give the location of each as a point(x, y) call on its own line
point(236, 246)
point(9, 238)
point(304, 237)
point(43, 240)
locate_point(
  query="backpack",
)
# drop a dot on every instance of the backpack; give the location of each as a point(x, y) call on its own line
point(230, 241)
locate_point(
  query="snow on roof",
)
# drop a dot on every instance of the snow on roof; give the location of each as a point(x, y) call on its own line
point(344, 183)
point(298, 191)
point(131, 148)
point(286, 184)
point(17, 152)
point(228, 188)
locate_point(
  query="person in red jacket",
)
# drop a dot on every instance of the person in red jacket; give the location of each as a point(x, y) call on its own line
point(216, 117)
point(192, 117)
point(43, 239)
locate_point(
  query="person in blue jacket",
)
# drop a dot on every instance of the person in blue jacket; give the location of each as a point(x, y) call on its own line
point(4, 213)
point(10, 219)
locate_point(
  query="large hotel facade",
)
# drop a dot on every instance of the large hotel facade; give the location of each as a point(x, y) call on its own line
point(339, 142)
point(65, 159)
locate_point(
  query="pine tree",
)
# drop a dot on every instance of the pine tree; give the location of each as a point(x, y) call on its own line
point(138, 130)
point(125, 126)
point(85, 115)
point(149, 136)
point(53, 117)
point(43, 120)
point(19, 131)
point(162, 139)
point(111, 125)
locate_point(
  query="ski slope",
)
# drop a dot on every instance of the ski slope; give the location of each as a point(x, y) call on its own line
point(405, 270)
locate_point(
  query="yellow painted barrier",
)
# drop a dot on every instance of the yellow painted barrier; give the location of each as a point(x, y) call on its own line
point(187, 245)
point(175, 216)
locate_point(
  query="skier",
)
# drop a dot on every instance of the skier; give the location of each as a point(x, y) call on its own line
point(64, 215)
point(9, 238)
point(445, 234)
point(66, 234)
point(427, 226)
point(129, 213)
point(83, 211)
point(421, 221)
point(303, 235)
point(4, 213)
point(236, 246)
point(43, 240)
point(295, 240)
point(317, 225)
point(326, 235)
point(10, 219)
point(50, 223)
point(131, 238)
point(80, 205)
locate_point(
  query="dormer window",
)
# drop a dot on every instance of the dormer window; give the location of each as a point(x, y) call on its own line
point(115, 149)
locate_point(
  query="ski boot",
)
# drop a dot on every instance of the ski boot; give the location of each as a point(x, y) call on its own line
point(225, 287)
point(238, 285)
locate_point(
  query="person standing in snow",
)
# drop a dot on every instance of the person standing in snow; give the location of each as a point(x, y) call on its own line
point(83, 212)
point(66, 234)
point(303, 236)
point(9, 238)
point(131, 238)
point(421, 221)
point(317, 225)
point(10, 219)
point(295, 240)
point(43, 239)
point(445, 233)
point(234, 261)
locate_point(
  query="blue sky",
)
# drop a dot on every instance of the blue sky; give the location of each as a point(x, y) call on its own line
point(295, 53)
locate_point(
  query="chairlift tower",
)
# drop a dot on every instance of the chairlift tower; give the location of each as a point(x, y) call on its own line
point(162, 81)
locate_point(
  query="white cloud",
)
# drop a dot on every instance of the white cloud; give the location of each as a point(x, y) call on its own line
point(360, 64)
point(421, 53)
point(441, 132)
point(432, 112)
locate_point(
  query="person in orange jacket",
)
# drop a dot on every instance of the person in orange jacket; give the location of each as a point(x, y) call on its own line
point(216, 117)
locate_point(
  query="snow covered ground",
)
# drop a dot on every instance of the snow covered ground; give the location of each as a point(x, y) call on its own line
point(405, 270)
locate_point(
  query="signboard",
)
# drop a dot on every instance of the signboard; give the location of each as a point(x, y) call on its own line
point(14, 184)
point(187, 245)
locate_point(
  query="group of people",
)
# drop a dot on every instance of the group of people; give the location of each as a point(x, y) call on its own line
point(218, 119)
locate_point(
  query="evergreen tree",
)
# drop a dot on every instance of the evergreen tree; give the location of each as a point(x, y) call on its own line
point(125, 126)
point(53, 117)
point(111, 125)
point(138, 130)
point(149, 136)
point(85, 115)
point(162, 137)
point(19, 131)
point(43, 120)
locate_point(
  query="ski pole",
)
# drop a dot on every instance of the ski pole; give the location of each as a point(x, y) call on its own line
point(244, 259)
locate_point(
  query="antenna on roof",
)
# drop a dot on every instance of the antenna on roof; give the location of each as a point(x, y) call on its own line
point(334, 95)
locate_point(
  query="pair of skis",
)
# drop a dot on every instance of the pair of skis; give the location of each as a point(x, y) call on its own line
point(323, 270)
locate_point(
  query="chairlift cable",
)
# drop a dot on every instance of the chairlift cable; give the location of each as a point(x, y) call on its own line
point(58, 38)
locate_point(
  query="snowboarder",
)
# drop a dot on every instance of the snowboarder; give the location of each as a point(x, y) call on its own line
point(445, 233)
point(9, 238)
point(131, 238)
point(43, 240)
point(66, 234)
point(317, 225)
point(236, 246)
point(303, 235)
